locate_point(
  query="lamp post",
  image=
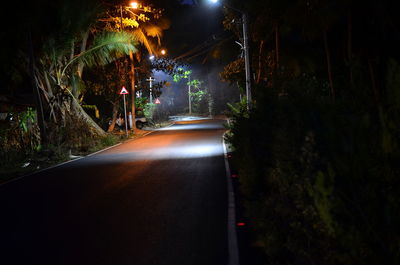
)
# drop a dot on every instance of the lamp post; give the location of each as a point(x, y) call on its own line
point(246, 60)
point(246, 51)
point(133, 5)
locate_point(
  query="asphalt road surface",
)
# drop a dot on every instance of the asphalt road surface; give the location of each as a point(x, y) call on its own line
point(160, 199)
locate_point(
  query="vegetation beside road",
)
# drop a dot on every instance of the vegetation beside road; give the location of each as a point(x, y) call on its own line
point(21, 152)
point(18, 160)
point(319, 180)
point(318, 153)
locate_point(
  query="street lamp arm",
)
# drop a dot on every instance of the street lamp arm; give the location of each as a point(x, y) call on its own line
point(126, 9)
point(238, 43)
point(245, 47)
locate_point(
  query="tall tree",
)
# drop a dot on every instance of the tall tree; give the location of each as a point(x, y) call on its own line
point(58, 72)
point(146, 24)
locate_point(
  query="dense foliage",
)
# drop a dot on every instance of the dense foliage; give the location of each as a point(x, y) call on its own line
point(318, 153)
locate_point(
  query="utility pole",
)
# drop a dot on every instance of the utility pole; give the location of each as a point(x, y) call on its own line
point(245, 47)
point(246, 59)
point(151, 88)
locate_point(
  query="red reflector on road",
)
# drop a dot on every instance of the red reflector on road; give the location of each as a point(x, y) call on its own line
point(234, 176)
point(241, 224)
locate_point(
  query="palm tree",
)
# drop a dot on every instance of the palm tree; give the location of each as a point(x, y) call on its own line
point(142, 33)
point(55, 76)
point(145, 34)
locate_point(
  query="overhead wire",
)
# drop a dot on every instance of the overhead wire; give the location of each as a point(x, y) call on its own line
point(203, 47)
point(208, 49)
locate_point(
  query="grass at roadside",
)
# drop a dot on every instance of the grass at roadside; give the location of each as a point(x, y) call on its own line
point(158, 125)
point(17, 164)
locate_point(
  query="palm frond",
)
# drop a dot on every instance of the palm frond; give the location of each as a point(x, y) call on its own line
point(153, 31)
point(141, 37)
point(106, 48)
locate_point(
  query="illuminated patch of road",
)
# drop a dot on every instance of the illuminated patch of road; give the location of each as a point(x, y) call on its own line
point(157, 153)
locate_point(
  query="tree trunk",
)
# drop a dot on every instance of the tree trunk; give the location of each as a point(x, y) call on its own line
point(36, 92)
point(328, 62)
point(349, 47)
point(133, 90)
point(114, 116)
point(373, 81)
point(85, 36)
point(385, 134)
point(72, 52)
point(277, 45)
point(79, 69)
point(81, 113)
point(260, 61)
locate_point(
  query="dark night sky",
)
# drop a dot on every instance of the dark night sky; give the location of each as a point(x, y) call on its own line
point(191, 25)
point(194, 25)
point(191, 22)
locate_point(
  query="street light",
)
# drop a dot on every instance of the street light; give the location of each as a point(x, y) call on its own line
point(134, 5)
point(246, 50)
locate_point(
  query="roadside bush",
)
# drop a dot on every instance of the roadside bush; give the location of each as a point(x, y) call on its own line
point(149, 110)
point(320, 178)
point(74, 135)
point(19, 137)
point(108, 140)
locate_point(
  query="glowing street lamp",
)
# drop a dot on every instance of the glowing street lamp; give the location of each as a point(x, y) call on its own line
point(246, 51)
point(134, 5)
point(163, 52)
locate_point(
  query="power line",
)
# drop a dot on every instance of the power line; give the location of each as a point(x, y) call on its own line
point(200, 48)
point(208, 49)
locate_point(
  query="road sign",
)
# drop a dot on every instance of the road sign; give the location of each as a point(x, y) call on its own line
point(123, 91)
point(157, 101)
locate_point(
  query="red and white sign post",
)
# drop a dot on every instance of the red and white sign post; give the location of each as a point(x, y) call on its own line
point(125, 92)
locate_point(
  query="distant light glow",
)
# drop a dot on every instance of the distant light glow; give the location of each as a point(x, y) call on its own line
point(146, 149)
point(163, 52)
point(214, 1)
point(184, 126)
point(175, 151)
point(134, 5)
point(241, 224)
point(151, 57)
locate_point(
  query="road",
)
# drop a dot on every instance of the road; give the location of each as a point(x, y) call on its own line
point(160, 199)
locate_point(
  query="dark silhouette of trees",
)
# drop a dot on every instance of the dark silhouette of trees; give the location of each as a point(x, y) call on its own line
point(318, 153)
